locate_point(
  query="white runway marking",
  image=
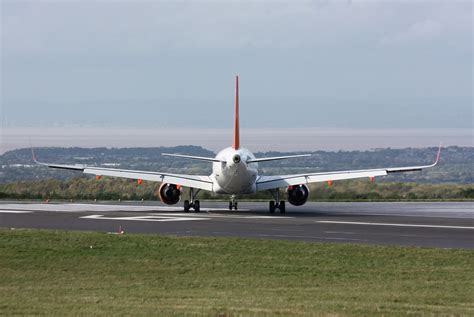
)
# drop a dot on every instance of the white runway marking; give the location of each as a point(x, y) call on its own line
point(394, 224)
point(177, 217)
point(76, 207)
point(51, 207)
point(15, 211)
point(144, 218)
point(212, 215)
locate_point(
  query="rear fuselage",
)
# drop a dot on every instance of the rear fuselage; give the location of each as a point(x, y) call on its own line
point(234, 175)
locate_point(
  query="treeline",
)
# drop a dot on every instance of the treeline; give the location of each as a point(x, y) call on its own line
point(87, 188)
point(456, 164)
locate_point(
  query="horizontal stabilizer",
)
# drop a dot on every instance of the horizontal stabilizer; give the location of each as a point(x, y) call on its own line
point(276, 158)
point(200, 158)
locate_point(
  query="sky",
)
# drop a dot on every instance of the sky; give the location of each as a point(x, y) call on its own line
point(171, 64)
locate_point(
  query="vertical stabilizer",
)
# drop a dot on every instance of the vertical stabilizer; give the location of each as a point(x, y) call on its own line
point(236, 143)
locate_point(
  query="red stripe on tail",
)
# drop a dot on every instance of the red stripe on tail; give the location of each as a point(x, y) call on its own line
point(236, 144)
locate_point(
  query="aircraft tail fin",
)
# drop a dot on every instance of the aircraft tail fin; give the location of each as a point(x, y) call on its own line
point(236, 144)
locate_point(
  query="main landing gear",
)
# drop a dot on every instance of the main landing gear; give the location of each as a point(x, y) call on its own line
point(192, 203)
point(277, 203)
point(232, 203)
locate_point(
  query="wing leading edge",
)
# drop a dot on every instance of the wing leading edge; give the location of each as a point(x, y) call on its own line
point(194, 181)
point(272, 182)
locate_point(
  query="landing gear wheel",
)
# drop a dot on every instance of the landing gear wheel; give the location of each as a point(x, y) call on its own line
point(197, 206)
point(232, 205)
point(186, 206)
point(281, 206)
point(272, 206)
point(277, 205)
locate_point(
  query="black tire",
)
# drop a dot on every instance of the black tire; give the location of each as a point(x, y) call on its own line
point(186, 206)
point(272, 206)
point(282, 207)
point(197, 206)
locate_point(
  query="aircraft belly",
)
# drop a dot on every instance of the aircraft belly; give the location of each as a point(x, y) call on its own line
point(234, 177)
point(235, 184)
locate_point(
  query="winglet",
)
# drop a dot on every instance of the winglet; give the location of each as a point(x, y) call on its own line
point(236, 144)
point(439, 153)
point(33, 156)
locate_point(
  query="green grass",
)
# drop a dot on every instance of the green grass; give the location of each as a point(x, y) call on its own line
point(108, 188)
point(58, 273)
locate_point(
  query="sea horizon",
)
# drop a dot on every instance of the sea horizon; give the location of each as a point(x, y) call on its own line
point(255, 139)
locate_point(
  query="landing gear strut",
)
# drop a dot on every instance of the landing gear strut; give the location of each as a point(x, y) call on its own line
point(232, 203)
point(277, 203)
point(192, 203)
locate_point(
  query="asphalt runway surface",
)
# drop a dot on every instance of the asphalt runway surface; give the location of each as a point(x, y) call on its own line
point(436, 224)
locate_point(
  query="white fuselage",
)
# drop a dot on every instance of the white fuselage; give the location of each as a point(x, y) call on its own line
point(234, 175)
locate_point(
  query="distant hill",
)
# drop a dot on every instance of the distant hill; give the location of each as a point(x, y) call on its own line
point(456, 165)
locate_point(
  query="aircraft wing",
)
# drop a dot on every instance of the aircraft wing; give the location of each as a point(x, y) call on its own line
point(194, 181)
point(278, 181)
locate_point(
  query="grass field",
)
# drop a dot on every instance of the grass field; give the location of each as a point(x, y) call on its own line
point(83, 273)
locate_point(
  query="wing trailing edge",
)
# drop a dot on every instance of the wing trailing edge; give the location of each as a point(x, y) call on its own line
point(195, 181)
point(278, 181)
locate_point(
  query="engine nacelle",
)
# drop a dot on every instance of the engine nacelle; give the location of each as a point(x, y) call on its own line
point(169, 193)
point(297, 195)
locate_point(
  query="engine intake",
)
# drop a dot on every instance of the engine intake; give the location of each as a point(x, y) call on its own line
point(297, 195)
point(169, 193)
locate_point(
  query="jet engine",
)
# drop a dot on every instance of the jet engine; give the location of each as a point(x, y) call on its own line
point(297, 195)
point(169, 193)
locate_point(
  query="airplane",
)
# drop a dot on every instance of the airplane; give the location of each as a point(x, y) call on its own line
point(235, 172)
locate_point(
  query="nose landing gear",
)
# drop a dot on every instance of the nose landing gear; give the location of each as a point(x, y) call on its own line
point(232, 203)
point(277, 203)
point(192, 203)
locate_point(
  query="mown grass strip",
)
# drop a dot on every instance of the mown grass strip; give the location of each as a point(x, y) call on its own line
point(58, 273)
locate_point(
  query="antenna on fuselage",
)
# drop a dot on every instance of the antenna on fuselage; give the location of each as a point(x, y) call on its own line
point(236, 144)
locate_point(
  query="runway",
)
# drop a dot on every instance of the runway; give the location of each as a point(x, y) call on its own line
point(442, 225)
